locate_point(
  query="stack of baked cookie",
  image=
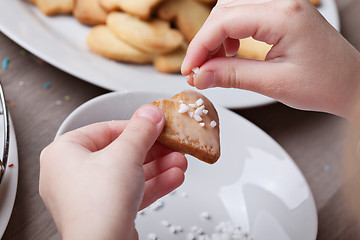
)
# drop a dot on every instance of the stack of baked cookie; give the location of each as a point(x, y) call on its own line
point(145, 32)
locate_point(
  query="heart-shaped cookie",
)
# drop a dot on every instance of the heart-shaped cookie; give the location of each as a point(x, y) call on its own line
point(191, 125)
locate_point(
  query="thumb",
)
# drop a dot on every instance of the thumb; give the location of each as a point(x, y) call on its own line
point(255, 75)
point(140, 133)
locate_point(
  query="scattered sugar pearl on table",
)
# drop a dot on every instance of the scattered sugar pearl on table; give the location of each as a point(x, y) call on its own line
point(202, 124)
point(152, 236)
point(157, 205)
point(184, 194)
point(205, 215)
point(165, 223)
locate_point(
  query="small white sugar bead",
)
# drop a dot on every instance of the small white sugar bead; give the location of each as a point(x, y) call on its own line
point(195, 70)
point(173, 229)
point(199, 102)
point(197, 117)
point(202, 124)
point(192, 105)
point(206, 215)
point(199, 110)
point(183, 108)
point(184, 194)
point(212, 124)
point(165, 223)
point(152, 236)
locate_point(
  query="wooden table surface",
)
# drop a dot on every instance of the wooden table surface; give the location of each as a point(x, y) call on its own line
point(313, 140)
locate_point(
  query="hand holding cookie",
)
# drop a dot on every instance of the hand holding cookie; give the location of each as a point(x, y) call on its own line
point(302, 69)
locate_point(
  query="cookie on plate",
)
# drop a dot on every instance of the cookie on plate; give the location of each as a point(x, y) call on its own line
point(153, 36)
point(191, 125)
point(139, 8)
point(171, 62)
point(54, 7)
point(187, 15)
point(89, 12)
point(103, 42)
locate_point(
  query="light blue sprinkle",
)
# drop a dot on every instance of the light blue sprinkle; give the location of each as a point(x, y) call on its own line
point(327, 167)
point(47, 85)
point(5, 63)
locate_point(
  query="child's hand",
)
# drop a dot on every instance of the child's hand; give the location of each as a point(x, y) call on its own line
point(310, 66)
point(94, 180)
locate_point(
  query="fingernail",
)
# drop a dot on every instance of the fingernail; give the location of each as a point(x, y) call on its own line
point(205, 79)
point(150, 112)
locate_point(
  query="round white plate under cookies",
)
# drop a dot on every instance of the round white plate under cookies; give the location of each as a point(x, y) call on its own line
point(254, 191)
point(61, 41)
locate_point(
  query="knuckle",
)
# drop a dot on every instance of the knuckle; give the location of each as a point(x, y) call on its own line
point(290, 7)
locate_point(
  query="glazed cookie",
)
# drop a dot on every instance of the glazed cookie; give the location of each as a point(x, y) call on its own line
point(210, 2)
point(54, 7)
point(171, 62)
point(103, 42)
point(253, 49)
point(154, 36)
point(188, 15)
point(89, 12)
point(191, 125)
point(138, 8)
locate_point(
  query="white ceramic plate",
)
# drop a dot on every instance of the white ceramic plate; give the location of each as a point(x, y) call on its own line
point(8, 185)
point(61, 41)
point(254, 183)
